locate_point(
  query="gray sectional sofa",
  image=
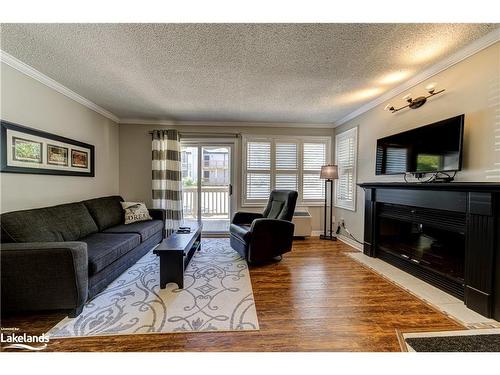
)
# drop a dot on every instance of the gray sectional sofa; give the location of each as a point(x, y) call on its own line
point(59, 257)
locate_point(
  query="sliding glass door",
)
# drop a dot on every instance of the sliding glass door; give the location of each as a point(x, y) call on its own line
point(206, 184)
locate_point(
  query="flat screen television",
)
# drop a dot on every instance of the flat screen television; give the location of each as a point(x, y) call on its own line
point(431, 148)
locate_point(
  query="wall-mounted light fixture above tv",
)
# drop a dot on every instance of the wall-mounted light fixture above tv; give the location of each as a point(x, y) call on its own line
point(432, 148)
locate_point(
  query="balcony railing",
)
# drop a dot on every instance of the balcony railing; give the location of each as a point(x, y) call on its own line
point(215, 164)
point(214, 201)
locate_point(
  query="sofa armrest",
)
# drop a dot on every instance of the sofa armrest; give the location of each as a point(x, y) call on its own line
point(270, 238)
point(159, 214)
point(44, 276)
point(245, 217)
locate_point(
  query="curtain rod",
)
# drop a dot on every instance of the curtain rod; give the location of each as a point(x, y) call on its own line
point(198, 134)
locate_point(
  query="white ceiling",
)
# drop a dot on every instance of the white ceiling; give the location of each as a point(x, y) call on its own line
point(307, 73)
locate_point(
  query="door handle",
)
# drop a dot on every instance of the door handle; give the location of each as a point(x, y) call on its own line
point(230, 189)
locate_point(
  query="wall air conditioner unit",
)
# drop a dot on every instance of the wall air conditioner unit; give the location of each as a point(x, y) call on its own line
point(302, 220)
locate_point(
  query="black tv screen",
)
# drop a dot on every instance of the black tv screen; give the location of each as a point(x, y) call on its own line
point(432, 148)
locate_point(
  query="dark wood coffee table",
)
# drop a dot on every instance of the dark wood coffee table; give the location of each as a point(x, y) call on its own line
point(175, 252)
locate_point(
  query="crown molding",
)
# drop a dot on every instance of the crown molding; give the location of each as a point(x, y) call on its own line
point(471, 49)
point(129, 121)
point(139, 121)
point(47, 81)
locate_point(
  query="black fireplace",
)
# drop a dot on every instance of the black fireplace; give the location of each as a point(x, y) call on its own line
point(447, 234)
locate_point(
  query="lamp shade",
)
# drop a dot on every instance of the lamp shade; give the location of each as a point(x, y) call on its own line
point(329, 172)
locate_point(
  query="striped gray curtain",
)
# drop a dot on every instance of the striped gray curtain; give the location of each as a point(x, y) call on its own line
point(167, 181)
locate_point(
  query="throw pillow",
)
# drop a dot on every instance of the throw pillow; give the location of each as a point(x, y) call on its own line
point(135, 211)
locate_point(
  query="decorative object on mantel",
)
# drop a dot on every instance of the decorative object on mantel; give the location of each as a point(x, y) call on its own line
point(329, 173)
point(417, 102)
point(27, 150)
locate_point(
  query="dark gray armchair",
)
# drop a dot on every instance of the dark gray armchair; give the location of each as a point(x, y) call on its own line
point(260, 237)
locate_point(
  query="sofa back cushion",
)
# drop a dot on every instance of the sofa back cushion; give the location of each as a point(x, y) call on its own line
point(106, 211)
point(65, 222)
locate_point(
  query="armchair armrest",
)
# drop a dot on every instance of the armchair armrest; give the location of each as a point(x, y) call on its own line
point(245, 217)
point(270, 238)
point(276, 226)
point(159, 214)
point(44, 276)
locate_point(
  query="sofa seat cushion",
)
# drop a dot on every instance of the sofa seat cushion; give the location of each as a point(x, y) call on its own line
point(106, 211)
point(240, 231)
point(145, 229)
point(65, 222)
point(104, 248)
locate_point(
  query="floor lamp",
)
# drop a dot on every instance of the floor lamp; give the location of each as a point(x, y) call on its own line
point(329, 173)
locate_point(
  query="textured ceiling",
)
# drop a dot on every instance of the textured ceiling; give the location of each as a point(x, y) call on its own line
point(312, 73)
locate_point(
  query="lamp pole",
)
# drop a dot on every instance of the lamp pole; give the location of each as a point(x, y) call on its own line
point(324, 221)
point(328, 173)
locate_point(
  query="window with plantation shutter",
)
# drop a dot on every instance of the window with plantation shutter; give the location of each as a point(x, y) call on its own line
point(314, 156)
point(345, 159)
point(283, 162)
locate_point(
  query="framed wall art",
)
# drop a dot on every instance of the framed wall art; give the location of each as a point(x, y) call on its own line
point(27, 150)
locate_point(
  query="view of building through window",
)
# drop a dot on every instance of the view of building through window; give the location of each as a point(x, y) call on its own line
point(209, 202)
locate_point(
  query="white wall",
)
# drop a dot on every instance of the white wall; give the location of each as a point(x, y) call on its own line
point(473, 88)
point(135, 158)
point(28, 102)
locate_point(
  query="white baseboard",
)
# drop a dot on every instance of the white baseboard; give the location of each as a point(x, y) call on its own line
point(347, 240)
point(350, 242)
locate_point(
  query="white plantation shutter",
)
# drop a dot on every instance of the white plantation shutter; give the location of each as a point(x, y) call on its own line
point(286, 156)
point(286, 181)
point(258, 185)
point(286, 166)
point(258, 181)
point(313, 187)
point(314, 156)
point(345, 158)
point(276, 162)
point(259, 155)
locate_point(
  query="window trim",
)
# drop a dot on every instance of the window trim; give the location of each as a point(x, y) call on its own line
point(347, 204)
point(273, 139)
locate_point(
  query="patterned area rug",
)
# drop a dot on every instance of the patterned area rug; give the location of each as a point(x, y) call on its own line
point(217, 296)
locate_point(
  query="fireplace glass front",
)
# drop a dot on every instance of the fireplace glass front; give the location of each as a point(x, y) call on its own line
point(437, 250)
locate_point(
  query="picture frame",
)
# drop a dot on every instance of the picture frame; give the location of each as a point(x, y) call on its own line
point(79, 159)
point(27, 150)
point(57, 155)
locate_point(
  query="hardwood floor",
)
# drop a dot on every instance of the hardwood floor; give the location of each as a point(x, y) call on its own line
point(315, 299)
